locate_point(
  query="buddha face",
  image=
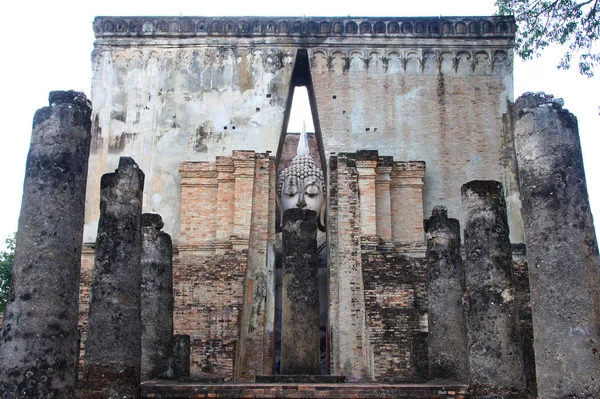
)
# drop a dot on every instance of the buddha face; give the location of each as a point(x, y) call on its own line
point(301, 186)
point(302, 193)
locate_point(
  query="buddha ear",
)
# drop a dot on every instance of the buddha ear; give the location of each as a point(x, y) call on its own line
point(321, 222)
point(279, 209)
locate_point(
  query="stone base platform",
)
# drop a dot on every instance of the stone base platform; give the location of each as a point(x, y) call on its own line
point(299, 379)
point(435, 390)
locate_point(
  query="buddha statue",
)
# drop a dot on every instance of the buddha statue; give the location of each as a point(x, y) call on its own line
point(302, 184)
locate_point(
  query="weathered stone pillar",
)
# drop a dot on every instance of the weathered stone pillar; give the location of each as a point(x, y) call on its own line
point(300, 337)
point(180, 360)
point(495, 358)
point(562, 251)
point(448, 344)
point(39, 347)
point(112, 359)
point(157, 297)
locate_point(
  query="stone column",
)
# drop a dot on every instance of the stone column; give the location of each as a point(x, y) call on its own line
point(562, 251)
point(495, 357)
point(300, 336)
point(39, 347)
point(180, 360)
point(112, 359)
point(157, 297)
point(448, 344)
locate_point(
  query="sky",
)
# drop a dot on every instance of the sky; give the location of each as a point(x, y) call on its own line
point(47, 46)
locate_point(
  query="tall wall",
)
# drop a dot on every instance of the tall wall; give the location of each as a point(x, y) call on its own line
point(168, 90)
point(377, 284)
point(164, 101)
point(201, 102)
point(431, 100)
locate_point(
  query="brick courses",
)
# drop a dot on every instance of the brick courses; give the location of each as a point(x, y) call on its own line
point(220, 273)
point(378, 290)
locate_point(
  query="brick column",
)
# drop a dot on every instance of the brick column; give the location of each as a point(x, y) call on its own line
point(366, 162)
point(383, 197)
point(351, 351)
point(112, 359)
point(199, 196)
point(407, 202)
point(495, 357)
point(38, 350)
point(243, 162)
point(562, 250)
point(226, 203)
point(250, 354)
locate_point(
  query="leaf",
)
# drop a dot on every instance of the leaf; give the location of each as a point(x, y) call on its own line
point(541, 23)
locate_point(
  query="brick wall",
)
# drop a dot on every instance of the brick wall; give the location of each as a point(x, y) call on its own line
point(436, 95)
point(396, 308)
point(444, 107)
point(221, 270)
point(349, 342)
point(224, 272)
point(378, 282)
point(208, 291)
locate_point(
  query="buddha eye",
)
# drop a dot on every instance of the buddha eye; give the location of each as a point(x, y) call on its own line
point(312, 190)
point(290, 190)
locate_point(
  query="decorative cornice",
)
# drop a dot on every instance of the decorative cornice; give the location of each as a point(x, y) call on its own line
point(392, 59)
point(318, 27)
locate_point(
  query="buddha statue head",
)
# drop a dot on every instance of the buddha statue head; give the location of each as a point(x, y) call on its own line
point(302, 184)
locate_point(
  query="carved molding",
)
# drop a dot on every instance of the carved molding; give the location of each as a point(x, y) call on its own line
point(497, 26)
point(396, 60)
point(339, 60)
point(263, 57)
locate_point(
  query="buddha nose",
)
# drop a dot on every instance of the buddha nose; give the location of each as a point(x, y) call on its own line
point(301, 203)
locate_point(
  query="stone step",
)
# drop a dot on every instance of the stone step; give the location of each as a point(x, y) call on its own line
point(300, 379)
point(431, 390)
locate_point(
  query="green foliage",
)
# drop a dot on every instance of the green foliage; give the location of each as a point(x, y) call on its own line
point(575, 23)
point(6, 264)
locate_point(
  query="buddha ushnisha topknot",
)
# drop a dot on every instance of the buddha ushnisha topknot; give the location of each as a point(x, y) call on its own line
point(302, 166)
